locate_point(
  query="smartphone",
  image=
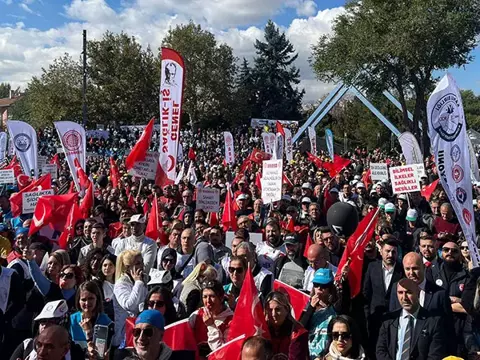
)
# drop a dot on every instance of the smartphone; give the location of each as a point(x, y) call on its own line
point(100, 337)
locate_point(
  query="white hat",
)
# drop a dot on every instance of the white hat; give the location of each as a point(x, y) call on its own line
point(402, 197)
point(360, 185)
point(53, 310)
point(307, 186)
point(379, 184)
point(357, 177)
point(158, 277)
point(306, 200)
point(353, 182)
point(242, 197)
point(286, 197)
point(389, 207)
point(334, 190)
point(382, 202)
point(137, 218)
point(412, 215)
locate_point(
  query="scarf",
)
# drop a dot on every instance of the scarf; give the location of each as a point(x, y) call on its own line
point(336, 355)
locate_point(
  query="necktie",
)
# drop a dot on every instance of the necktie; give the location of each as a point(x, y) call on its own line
point(407, 339)
point(428, 264)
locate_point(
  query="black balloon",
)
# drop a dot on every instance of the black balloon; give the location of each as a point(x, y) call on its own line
point(342, 218)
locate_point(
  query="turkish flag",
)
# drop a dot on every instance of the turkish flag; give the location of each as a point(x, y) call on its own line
point(73, 216)
point(280, 129)
point(114, 230)
point(290, 226)
point(131, 201)
point(428, 190)
point(114, 173)
point(86, 204)
point(318, 163)
point(71, 189)
point(230, 350)
point(139, 151)
point(154, 227)
point(52, 209)
point(55, 160)
point(83, 179)
point(23, 181)
point(354, 251)
point(180, 336)
point(16, 200)
point(257, 156)
point(191, 154)
point(367, 178)
point(339, 163)
point(286, 180)
point(258, 181)
point(15, 165)
point(229, 221)
point(248, 317)
point(297, 298)
point(213, 219)
point(307, 245)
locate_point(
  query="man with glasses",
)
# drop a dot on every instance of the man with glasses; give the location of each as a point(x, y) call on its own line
point(317, 257)
point(332, 243)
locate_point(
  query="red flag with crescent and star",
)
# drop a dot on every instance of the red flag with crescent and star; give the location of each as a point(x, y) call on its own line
point(16, 200)
point(258, 156)
point(114, 173)
point(73, 216)
point(139, 151)
point(428, 190)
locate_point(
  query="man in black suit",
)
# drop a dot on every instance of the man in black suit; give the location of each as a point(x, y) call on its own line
point(379, 279)
point(428, 250)
point(412, 332)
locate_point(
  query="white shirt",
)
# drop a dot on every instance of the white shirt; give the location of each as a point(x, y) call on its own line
point(267, 255)
point(387, 276)
point(310, 273)
point(403, 323)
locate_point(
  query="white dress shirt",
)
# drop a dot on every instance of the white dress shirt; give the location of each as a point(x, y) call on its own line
point(387, 276)
point(403, 323)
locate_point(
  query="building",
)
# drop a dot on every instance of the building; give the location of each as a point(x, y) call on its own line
point(6, 103)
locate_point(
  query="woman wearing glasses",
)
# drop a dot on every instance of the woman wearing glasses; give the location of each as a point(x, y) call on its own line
point(160, 298)
point(289, 337)
point(237, 271)
point(191, 293)
point(467, 260)
point(343, 340)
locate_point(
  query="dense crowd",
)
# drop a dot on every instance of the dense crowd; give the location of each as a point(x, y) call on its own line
point(417, 294)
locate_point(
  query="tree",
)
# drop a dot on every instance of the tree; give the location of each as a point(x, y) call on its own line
point(4, 90)
point(276, 76)
point(396, 45)
point(245, 92)
point(471, 107)
point(209, 74)
point(123, 80)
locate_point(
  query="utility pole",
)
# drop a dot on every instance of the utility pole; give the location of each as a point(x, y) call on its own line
point(84, 88)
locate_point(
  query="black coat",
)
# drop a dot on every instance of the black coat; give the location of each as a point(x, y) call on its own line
point(428, 342)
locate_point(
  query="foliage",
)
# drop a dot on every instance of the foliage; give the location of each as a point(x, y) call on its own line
point(378, 44)
point(275, 77)
point(4, 90)
point(471, 107)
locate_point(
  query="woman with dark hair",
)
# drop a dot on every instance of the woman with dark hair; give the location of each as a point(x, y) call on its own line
point(343, 340)
point(289, 337)
point(160, 298)
point(92, 263)
point(89, 303)
point(106, 282)
point(237, 270)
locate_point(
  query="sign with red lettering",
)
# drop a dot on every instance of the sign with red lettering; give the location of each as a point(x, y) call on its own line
point(404, 179)
point(272, 181)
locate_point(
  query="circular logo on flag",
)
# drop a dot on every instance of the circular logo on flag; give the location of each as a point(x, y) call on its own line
point(22, 142)
point(461, 195)
point(467, 216)
point(72, 140)
point(446, 117)
point(457, 173)
point(229, 140)
point(455, 153)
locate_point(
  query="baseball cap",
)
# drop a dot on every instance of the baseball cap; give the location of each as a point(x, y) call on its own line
point(402, 197)
point(137, 218)
point(382, 202)
point(360, 185)
point(242, 197)
point(151, 317)
point(291, 239)
point(53, 310)
point(307, 186)
point(412, 215)
point(323, 277)
point(389, 208)
point(306, 200)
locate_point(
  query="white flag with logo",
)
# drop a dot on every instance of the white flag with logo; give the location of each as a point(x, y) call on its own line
point(448, 134)
point(410, 148)
point(268, 142)
point(229, 148)
point(288, 145)
point(191, 174)
point(74, 145)
point(312, 135)
point(24, 140)
point(3, 146)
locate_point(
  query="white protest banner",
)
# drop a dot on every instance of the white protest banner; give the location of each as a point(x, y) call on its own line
point(30, 200)
point(255, 238)
point(288, 145)
point(404, 179)
point(7, 176)
point(41, 161)
point(3, 145)
point(25, 142)
point(147, 168)
point(379, 171)
point(420, 171)
point(268, 142)
point(312, 135)
point(50, 168)
point(208, 199)
point(229, 149)
point(272, 181)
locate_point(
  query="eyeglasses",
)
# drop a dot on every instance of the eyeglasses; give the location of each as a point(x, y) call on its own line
point(341, 335)
point(156, 304)
point(449, 250)
point(67, 276)
point(239, 270)
point(147, 332)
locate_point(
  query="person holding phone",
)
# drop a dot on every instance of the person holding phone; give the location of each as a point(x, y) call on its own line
point(129, 292)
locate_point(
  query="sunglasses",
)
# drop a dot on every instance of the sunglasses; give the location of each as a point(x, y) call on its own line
point(148, 332)
point(464, 248)
point(207, 285)
point(450, 250)
point(341, 335)
point(239, 270)
point(156, 304)
point(321, 286)
point(67, 276)
point(167, 260)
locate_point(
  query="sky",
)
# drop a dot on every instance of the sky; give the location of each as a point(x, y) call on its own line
point(34, 32)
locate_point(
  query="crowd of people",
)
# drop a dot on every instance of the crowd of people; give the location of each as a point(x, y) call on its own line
point(418, 296)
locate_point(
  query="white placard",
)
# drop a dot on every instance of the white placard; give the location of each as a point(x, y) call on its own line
point(255, 238)
point(30, 200)
point(272, 181)
point(41, 161)
point(50, 168)
point(208, 199)
point(146, 169)
point(379, 171)
point(7, 176)
point(404, 179)
point(420, 171)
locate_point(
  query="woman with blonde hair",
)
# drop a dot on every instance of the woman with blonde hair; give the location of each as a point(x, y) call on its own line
point(129, 291)
point(191, 294)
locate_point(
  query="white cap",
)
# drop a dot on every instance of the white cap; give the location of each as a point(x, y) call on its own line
point(242, 197)
point(353, 182)
point(382, 202)
point(412, 215)
point(53, 310)
point(402, 197)
point(389, 207)
point(159, 277)
point(357, 177)
point(306, 200)
point(360, 185)
point(307, 186)
point(137, 218)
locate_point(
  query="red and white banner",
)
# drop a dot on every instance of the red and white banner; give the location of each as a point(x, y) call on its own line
point(288, 145)
point(25, 144)
point(268, 142)
point(171, 94)
point(74, 144)
point(404, 179)
point(229, 148)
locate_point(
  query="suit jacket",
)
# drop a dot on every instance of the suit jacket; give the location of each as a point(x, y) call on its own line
point(428, 340)
point(377, 298)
